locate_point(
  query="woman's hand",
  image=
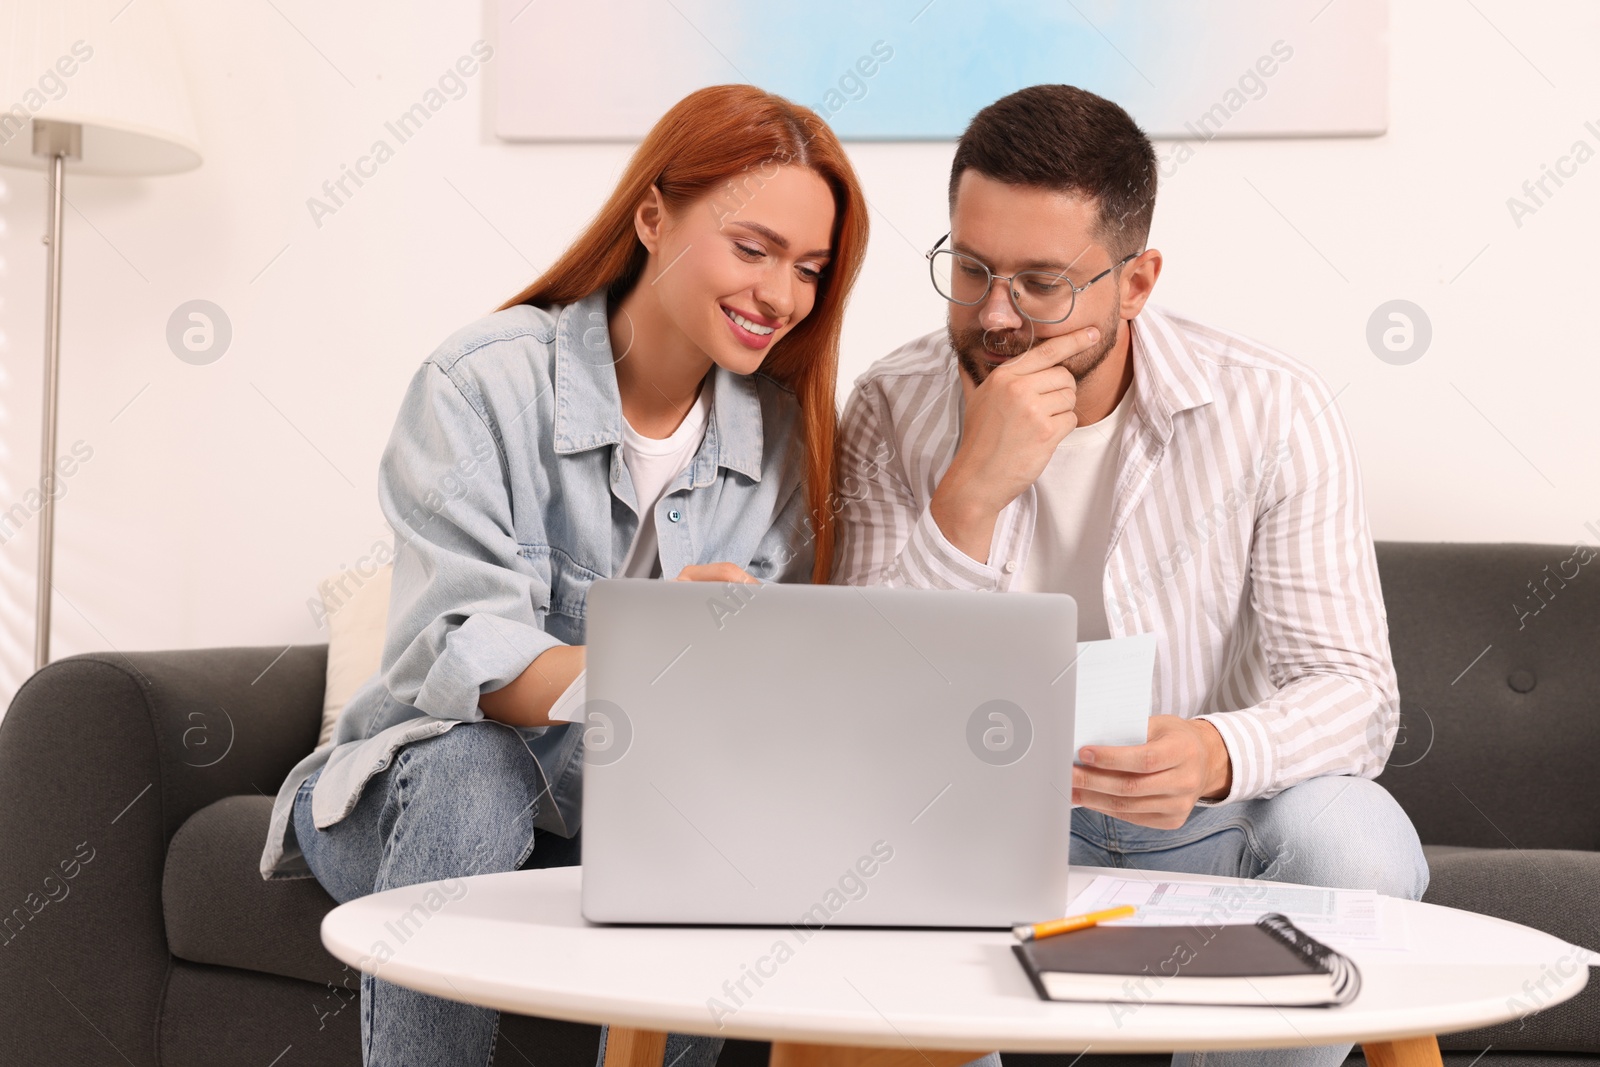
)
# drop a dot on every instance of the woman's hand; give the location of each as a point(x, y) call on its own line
point(715, 572)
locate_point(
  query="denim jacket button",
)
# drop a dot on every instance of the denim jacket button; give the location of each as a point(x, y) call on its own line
point(674, 515)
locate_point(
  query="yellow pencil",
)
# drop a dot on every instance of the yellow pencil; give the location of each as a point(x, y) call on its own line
point(1035, 931)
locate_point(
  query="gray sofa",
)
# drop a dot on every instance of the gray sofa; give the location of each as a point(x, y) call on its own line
point(135, 790)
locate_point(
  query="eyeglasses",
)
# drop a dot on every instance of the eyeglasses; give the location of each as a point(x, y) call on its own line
point(1042, 296)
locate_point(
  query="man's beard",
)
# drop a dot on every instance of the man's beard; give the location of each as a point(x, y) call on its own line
point(970, 347)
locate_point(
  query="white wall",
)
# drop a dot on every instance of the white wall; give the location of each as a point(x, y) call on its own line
point(218, 495)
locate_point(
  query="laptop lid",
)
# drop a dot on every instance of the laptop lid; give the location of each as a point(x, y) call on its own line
point(826, 755)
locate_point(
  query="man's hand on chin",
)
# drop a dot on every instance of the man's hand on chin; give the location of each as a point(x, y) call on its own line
point(1157, 783)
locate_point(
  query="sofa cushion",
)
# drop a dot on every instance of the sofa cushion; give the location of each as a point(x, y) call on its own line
point(221, 1017)
point(1433, 852)
point(355, 607)
point(1499, 698)
point(1550, 890)
point(219, 910)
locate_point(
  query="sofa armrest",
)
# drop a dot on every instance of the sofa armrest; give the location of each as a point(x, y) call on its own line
point(103, 757)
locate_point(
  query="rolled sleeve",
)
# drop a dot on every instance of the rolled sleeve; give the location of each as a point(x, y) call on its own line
point(466, 611)
point(1247, 769)
point(930, 561)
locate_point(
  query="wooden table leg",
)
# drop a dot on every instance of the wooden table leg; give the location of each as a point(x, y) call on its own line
point(1411, 1052)
point(627, 1047)
point(795, 1054)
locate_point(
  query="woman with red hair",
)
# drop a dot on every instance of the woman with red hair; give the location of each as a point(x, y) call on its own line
point(659, 403)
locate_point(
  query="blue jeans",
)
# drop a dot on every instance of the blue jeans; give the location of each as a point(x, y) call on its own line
point(458, 804)
point(1338, 831)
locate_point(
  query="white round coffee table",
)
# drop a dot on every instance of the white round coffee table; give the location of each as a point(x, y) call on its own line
point(898, 998)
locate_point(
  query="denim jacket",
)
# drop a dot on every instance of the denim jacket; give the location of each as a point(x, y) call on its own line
point(504, 482)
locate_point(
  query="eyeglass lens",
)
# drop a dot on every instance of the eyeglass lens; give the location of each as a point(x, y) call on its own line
point(1044, 296)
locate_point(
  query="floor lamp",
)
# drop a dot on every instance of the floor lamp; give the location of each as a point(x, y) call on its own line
point(93, 83)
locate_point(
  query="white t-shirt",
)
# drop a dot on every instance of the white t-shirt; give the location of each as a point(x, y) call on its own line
point(1072, 527)
point(653, 464)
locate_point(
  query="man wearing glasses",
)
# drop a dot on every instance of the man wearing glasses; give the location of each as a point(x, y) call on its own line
point(1061, 435)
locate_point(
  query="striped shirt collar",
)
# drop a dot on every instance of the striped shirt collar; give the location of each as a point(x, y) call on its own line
point(1169, 376)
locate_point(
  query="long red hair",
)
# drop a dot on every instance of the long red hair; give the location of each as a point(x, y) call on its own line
point(721, 137)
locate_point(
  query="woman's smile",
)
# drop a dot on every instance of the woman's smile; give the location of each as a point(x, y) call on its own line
point(752, 331)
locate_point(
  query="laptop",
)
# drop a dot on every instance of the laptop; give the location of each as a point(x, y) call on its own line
point(814, 756)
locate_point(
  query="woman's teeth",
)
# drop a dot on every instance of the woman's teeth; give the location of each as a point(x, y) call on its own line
point(753, 327)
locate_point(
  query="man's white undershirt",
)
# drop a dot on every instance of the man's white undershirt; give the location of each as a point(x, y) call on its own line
point(1072, 528)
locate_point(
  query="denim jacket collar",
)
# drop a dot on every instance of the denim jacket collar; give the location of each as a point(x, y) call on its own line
point(588, 406)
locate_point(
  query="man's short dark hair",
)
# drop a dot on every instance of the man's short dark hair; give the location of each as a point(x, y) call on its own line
point(1067, 139)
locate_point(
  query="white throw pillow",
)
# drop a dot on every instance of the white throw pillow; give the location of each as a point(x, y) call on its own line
point(355, 609)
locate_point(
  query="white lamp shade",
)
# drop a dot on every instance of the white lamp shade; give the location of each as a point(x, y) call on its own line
point(109, 65)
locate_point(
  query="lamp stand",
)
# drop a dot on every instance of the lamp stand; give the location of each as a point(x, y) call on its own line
point(57, 142)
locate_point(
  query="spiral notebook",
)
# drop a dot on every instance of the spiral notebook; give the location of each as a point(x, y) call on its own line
point(1268, 962)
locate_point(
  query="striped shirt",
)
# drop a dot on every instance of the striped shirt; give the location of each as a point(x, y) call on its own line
point(1238, 536)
